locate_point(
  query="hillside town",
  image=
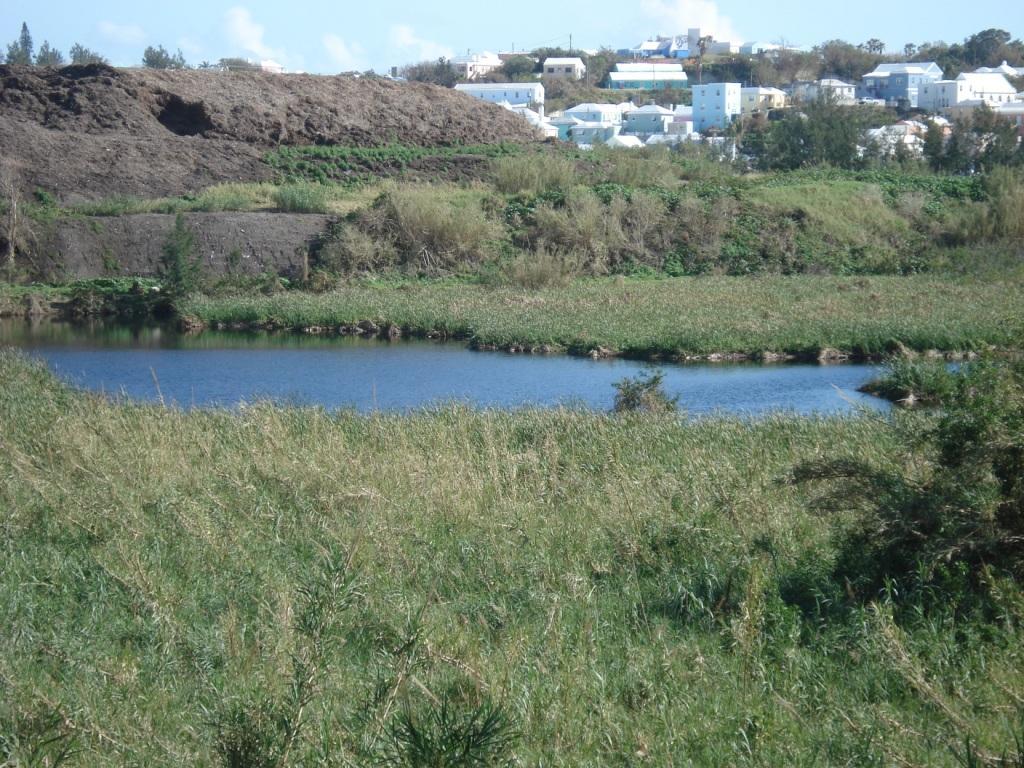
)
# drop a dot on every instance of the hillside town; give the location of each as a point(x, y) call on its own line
point(918, 92)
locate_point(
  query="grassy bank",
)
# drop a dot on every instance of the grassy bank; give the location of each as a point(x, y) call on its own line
point(671, 317)
point(620, 591)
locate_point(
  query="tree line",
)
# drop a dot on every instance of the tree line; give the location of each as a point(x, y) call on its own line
point(22, 51)
point(832, 58)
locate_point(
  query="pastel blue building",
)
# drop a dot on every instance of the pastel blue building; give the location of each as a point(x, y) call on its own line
point(898, 84)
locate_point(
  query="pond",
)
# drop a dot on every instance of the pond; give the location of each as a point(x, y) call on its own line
point(228, 368)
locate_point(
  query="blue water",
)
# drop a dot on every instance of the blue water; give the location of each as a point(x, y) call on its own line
point(225, 369)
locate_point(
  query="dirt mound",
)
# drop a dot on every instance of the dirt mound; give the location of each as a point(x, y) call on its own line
point(95, 131)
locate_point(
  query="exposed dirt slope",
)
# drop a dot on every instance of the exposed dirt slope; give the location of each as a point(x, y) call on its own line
point(94, 131)
point(226, 244)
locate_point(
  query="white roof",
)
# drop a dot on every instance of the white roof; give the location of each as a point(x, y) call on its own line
point(901, 68)
point(647, 68)
point(499, 87)
point(651, 109)
point(563, 62)
point(589, 107)
point(478, 58)
point(1003, 69)
point(987, 82)
point(630, 142)
point(655, 77)
point(763, 89)
point(833, 83)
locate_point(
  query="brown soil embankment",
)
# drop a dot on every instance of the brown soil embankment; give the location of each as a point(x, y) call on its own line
point(93, 132)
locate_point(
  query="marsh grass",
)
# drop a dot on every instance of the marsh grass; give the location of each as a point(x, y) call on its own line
point(800, 315)
point(623, 587)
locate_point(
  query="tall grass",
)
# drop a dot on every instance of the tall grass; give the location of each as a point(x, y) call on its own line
point(555, 587)
point(801, 315)
point(534, 174)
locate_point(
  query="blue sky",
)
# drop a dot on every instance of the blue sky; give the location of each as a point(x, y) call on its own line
point(324, 36)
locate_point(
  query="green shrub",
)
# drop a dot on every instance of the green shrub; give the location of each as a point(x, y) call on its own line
point(644, 393)
point(301, 198)
point(449, 737)
point(911, 381)
point(955, 504)
point(179, 267)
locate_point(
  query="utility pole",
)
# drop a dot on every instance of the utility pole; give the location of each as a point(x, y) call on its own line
point(570, 42)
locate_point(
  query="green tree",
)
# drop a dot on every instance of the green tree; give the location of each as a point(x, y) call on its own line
point(21, 50)
point(517, 69)
point(49, 57)
point(180, 267)
point(825, 132)
point(438, 72)
point(874, 45)
point(81, 55)
point(934, 146)
point(161, 58)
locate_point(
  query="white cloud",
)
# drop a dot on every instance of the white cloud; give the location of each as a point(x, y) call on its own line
point(345, 57)
point(190, 47)
point(124, 34)
point(247, 36)
point(676, 16)
point(405, 38)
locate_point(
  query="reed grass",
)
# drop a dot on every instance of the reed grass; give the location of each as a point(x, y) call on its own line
point(620, 586)
point(679, 316)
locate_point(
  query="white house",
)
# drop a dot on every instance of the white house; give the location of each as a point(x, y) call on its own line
point(759, 46)
point(473, 65)
point(842, 92)
point(565, 68)
point(970, 89)
point(588, 134)
point(516, 94)
point(990, 87)
point(647, 76)
point(536, 119)
point(647, 120)
point(597, 113)
point(761, 99)
point(906, 135)
point(715, 105)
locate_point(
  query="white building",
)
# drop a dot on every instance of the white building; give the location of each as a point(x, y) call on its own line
point(473, 65)
point(648, 120)
point(1002, 69)
point(715, 105)
point(647, 76)
point(842, 92)
point(516, 94)
point(991, 87)
point(597, 113)
point(759, 46)
point(624, 142)
point(565, 68)
point(588, 134)
point(970, 88)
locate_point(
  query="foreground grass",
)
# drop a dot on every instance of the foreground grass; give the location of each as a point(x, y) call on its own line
point(799, 315)
point(630, 590)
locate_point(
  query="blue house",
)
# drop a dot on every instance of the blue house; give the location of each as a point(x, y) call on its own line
point(898, 84)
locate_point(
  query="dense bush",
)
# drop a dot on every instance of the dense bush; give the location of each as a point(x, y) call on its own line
point(956, 502)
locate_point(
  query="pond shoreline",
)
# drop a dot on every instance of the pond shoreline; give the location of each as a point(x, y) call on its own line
point(383, 329)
